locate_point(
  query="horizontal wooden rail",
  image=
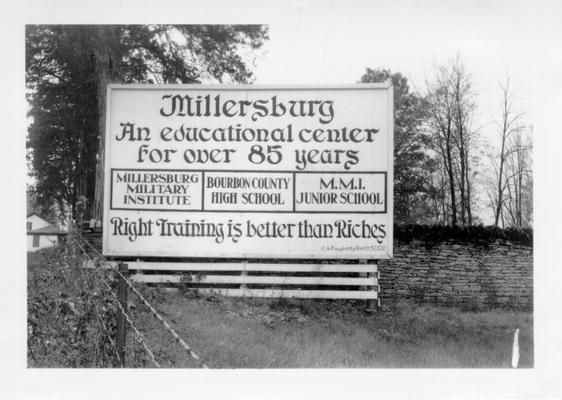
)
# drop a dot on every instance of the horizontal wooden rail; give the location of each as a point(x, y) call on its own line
point(260, 280)
point(367, 282)
point(303, 294)
point(250, 267)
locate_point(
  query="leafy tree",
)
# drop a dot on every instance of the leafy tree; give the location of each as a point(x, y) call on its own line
point(68, 68)
point(413, 165)
point(46, 209)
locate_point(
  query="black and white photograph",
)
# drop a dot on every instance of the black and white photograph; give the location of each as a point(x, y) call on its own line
point(301, 199)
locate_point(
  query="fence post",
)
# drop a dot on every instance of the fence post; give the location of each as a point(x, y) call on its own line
point(121, 322)
point(363, 261)
point(75, 234)
point(372, 304)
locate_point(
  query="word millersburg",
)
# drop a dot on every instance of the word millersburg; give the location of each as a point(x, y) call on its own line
point(340, 229)
point(205, 106)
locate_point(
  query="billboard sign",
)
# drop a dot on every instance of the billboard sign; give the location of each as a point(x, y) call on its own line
point(249, 171)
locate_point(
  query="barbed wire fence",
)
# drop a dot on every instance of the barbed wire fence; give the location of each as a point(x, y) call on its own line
point(122, 308)
point(143, 299)
point(113, 327)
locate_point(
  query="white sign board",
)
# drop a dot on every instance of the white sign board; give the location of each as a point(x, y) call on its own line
point(249, 171)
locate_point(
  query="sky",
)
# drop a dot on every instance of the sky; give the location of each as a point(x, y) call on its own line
point(321, 42)
point(334, 41)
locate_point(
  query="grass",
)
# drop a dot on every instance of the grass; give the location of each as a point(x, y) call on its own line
point(261, 333)
point(254, 333)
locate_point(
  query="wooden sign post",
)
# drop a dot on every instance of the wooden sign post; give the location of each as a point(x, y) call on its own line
point(121, 319)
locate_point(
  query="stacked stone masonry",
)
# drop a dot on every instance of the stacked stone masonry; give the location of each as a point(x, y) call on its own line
point(473, 276)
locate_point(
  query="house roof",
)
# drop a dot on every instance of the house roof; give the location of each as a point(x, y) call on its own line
point(31, 214)
point(47, 230)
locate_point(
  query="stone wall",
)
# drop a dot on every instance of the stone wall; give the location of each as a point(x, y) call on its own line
point(470, 275)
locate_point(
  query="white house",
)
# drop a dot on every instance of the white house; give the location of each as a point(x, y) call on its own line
point(41, 234)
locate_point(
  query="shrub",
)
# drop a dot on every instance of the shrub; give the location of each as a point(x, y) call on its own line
point(71, 313)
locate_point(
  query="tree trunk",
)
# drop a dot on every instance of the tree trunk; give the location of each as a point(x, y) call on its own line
point(451, 184)
point(459, 123)
point(103, 65)
point(468, 203)
point(461, 186)
point(500, 184)
point(505, 127)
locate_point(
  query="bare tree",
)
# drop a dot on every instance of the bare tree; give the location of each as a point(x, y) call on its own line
point(507, 126)
point(518, 199)
point(442, 112)
point(464, 107)
point(452, 110)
